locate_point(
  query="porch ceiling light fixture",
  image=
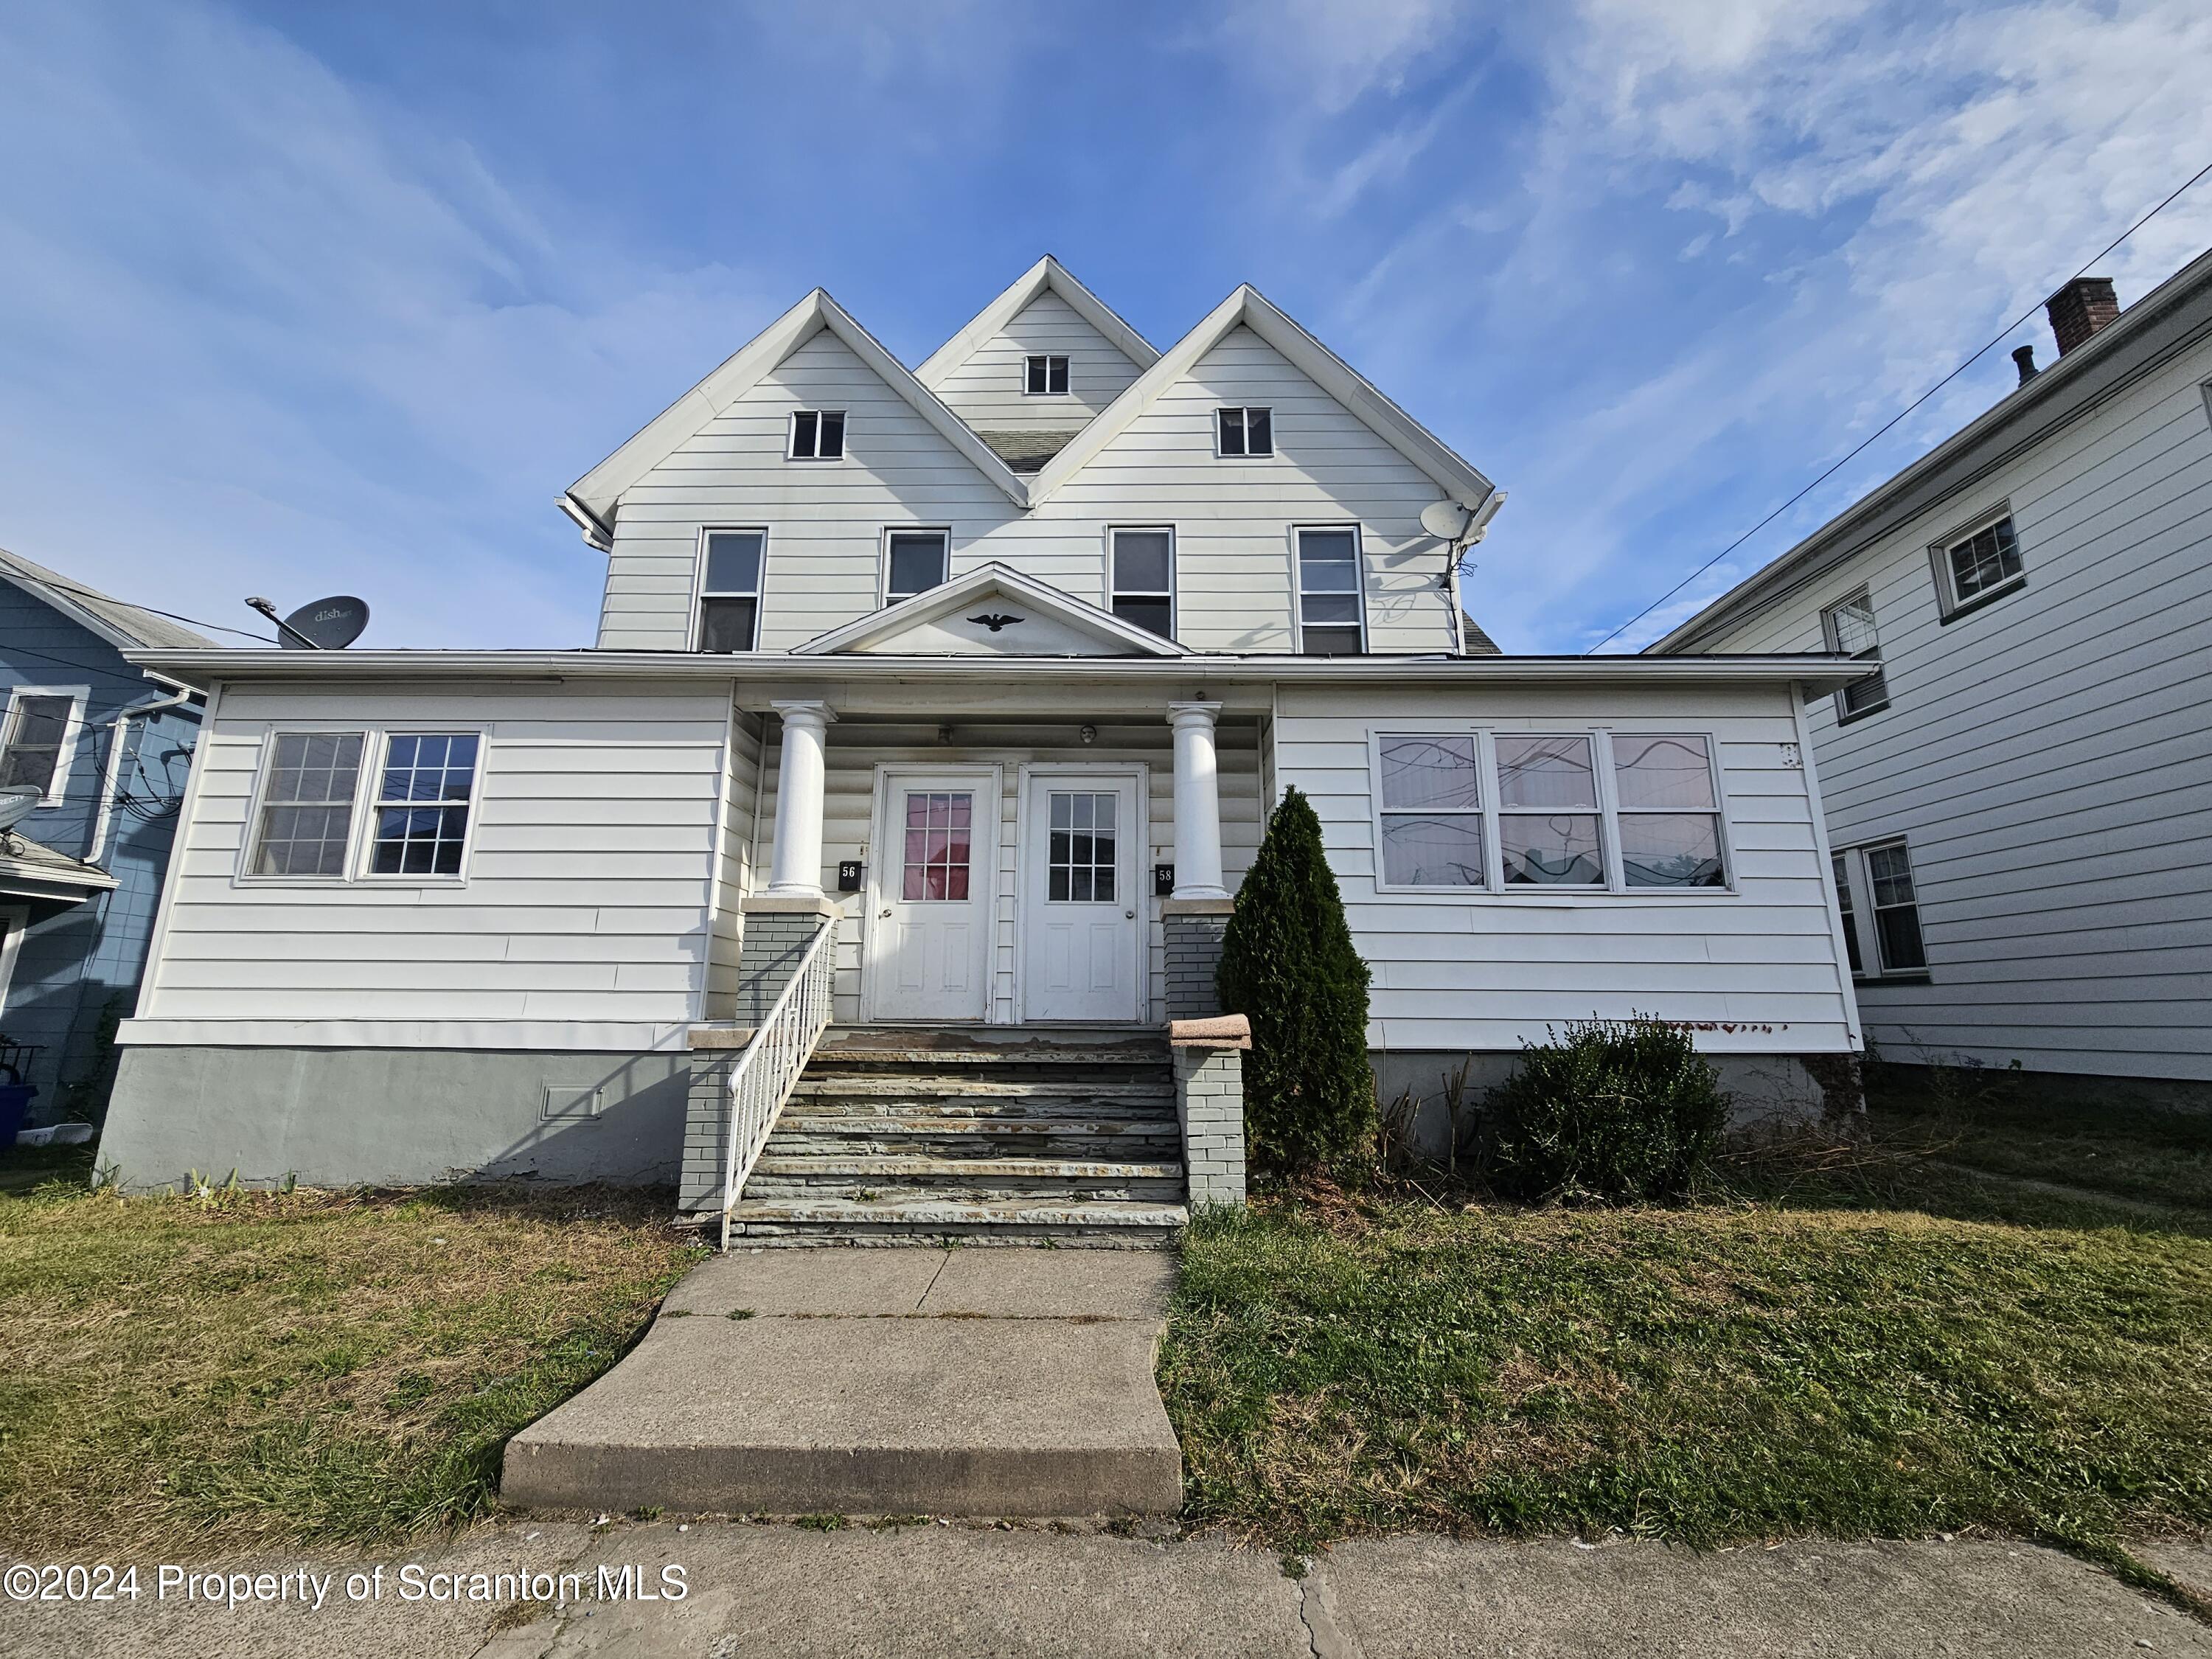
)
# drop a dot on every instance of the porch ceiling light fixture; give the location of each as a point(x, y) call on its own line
point(1087, 732)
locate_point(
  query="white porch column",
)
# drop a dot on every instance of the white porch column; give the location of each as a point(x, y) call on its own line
point(795, 871)
point(1197, 802)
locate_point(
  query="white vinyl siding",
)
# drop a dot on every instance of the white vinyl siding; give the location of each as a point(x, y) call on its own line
point(2045, 754)
point(1235, 563)
point(988, 390)
point(1752, 969)
point(584, 921)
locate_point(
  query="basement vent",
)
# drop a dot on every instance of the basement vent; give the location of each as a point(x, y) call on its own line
point(565, 1104)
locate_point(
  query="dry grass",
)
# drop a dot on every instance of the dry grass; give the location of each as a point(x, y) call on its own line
point(190, 1375)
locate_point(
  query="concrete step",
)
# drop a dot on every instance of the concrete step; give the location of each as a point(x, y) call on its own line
point(929, 1217)
point(918, 1086)
point(969, 1147)
point(774, 1162)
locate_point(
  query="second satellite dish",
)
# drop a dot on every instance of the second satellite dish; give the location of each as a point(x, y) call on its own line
point(1446, 520)
point(16, 801)
point(329, 624)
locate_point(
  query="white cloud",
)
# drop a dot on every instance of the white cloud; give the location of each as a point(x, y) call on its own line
point(1333, 53)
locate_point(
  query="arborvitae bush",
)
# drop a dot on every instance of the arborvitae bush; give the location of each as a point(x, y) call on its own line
point(1611, 1112)
point(1288, 964)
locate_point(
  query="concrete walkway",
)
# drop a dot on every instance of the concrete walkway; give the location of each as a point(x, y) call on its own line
point(1000, 1382)
point(934, 1591)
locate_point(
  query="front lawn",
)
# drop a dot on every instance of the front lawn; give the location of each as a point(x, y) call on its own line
point(1895, 1347)
point(185, 1377)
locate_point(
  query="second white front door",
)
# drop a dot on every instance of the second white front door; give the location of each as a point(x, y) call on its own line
point(1081, 927)
point(929, 942)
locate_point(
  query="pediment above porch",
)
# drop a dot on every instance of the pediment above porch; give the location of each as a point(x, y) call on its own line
point(992, 610)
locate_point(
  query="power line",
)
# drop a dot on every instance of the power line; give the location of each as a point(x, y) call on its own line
point(1998, 340)
point(63, 586)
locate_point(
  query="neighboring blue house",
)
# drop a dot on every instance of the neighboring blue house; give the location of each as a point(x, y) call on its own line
point(81, 876)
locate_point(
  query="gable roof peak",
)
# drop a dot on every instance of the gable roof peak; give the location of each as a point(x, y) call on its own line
point(120, 624)
point(1047, 274)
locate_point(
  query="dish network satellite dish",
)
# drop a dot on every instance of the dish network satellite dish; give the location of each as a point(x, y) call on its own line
point(1447, 520)
point(16, 801)
point(329, 624)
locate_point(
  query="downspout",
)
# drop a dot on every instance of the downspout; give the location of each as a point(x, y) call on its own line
point(112, 773)
point(1477, 528)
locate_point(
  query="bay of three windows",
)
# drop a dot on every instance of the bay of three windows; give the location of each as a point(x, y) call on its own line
point(1594, 810)
point(1141, 577)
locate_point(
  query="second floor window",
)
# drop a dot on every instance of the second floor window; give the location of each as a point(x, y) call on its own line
point(37, 733)
point(1979, 565)
point(1245, 432)
point(1143, 579)
point(817, 435)
point(1044, 376)
point(729, 592)
point(915, 563)
point(1329, 620)
point(1848, 626)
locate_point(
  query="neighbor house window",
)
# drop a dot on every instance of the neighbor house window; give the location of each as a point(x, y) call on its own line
point(817, 435)
point(1669, 811)
point(1432, 811)
point(424, 790)
point(1848, 626)
point(1245, 432)
point(307, 805)
point(1044, 376)
point(1548, 817)
point(1880, 906)
point(1143, 579)
point(915, 562)
point(729, 592)
point(35, 748)
point(1330, 620)
point(1978, 566)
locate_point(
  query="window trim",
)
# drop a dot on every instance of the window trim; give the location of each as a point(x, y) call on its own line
point(1615, 887)
point(73, 731)
point(884, 559)
point(1862, 918)
point(1949, 606)
point(700, 594)
point(361, 840)
point(1114, 590)
point(1066, 361)
point(791, 438)
point(1298, 584)
point(1829, 637)
point(1274, 449)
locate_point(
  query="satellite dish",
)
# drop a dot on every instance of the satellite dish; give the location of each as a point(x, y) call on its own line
point(16, 801)
point(1446, 520)
point(329, 624)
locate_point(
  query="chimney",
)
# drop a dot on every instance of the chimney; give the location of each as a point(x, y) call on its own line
point(2080, 309)
point(2023, 359)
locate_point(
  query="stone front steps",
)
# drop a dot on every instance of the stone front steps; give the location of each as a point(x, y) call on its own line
point(899, 1136)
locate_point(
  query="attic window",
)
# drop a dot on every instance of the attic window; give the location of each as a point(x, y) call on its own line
point(1243, 432)
point(817, 435)
point(1044, 376)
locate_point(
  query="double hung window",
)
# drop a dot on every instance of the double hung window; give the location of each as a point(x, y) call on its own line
point(309, 820)
point(1548, 795)
point(1848, 627)
point(1143, 579)
point(1880, 902)
point(914, 562)
point(1432, 796)
point(34, 747)
point(1331, 618)
point(729, 592)
point(1670, 818)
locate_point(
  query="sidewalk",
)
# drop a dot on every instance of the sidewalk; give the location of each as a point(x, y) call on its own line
point(935, 1590)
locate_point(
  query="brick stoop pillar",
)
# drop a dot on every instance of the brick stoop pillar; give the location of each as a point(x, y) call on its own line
point(777, 932)
point(1209, 1071)
point(1195, 929)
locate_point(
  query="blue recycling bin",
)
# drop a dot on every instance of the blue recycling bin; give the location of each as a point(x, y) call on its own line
point(14, 1106)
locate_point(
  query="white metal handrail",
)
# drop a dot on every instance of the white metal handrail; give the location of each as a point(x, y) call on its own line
point(766, 1073)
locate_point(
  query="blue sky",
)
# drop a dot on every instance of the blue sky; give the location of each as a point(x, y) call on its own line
point(302, 298)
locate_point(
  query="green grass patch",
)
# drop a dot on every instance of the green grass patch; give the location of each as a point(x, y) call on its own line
point(188, 1376)
point(1849, 1347)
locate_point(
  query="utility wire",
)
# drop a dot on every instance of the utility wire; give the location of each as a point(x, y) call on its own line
point(60, 584)
point(1998, 340)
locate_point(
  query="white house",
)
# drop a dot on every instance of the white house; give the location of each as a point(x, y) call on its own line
point(986, 676)
point(2021, 801)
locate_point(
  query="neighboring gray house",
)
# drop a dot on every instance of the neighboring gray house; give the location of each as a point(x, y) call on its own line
point(111, 746)
point(949, 704)
point(2020, 802)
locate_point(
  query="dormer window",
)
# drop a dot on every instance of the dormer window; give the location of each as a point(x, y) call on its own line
point(817, 434)
point(1044, 376)
point(1241, 434)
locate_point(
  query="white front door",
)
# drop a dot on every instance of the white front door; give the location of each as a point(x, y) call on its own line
point(1081, 927)
point(929, 940)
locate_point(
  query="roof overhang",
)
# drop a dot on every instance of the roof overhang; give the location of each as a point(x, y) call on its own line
point(1047, 274)
point(1815, 670)
point(1101, 632)
point(30, 869)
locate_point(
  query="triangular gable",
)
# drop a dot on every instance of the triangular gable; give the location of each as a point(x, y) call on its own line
point(1048, 274)
point(592, 500)
point(1034, 619)
point(1249, 308)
